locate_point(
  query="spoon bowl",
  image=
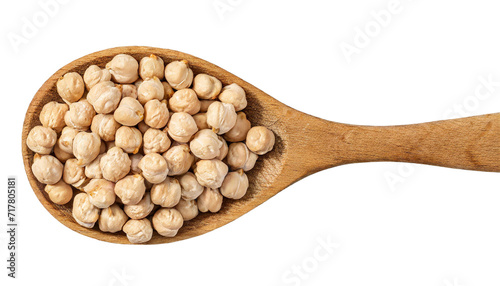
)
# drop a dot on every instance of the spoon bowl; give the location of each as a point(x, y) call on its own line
point(304, 144)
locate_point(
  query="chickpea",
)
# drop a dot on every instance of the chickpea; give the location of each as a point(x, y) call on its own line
point(239, 131)
point(155, 141)
point(239, 157)
point(61, 155)
point(204, 104)
point(105, 97)
point(123, 68)
point(115, 164)
point(101, 192)
point(168, 89)
point(130, 189)
point(167, 222)
point(167, 193)
point(191, 189)
point(201, 121)
point(93, 170)
point(138, 82)
point(65, 141)
point(154, 168)
point(178, 159)
point(221, 117)
point(210, 173)
point(103, 148)
point(223, 150)
point(94, 75)
point(178, 74)
point(112, 219)
point(84, 212)
point(187, 208)
point(150, 89)
point(130, 112)
point(151, 66)
point(141, 209)
point(129, 90)
point(79, 115)
point(206, 86)
point(234, 95)
point(86, 147)
point(156, 113)
point(205, 144)
point(235, 185)
point(210, 200)
point(52, 115)
point(41, 140)
point(185, 100)
point(74, 174)
point(138, 231)
point(129, 139)
point(60, 193)
point(70, 87)
point(181, 127)
point(260, 140)
point(134, 165)
point(105, 126)
point(47, 169)
point(109, 145)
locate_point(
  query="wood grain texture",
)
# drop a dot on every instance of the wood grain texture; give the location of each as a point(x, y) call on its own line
point(304, 145)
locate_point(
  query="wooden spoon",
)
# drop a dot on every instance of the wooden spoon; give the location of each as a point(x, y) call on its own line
point(304, 144)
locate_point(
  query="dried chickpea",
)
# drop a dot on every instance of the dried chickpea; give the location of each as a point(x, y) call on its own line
point(191, 189)
point(234, 95)
point(79, 115)
point(60, 193)
point(143, 127)
point(52, 115)
point(138, 231)
point(70, 87)
point(223, 150)
point(101, 192)
point(109, 145)
point(61, 155)
point(94, 75)
point(134, 163)
point(129, 90)
point(123, 68)
point(187, 208)
point(129, 112)
point(74, 174)
point(141, 209)
point(201, 121)
point(105, 126)
point(167, 193)
point(167, 222)
point(178, 159)
point(86, 147)
point(47, 169)
point(105, 97)
point(206, 86)
point(65, 141)
point(181, 127)
point(209, 200)
point(151, 66)
point(239, 131)
point(138, 82)
point(178, 74)
point(260, 140)
point(156, 113)
point(154, 168)
point(130, 189)
point(129, 139)
point(204, 104)
point(115, 164)
point(210, 173)
point(41, 140)
point(205, 144)
point(93, 170)
point(185, 100)
point(221, 117)
point(240, 157)
point(235, 185)
point(112, 219)
point(155, 141)
point(84, 212)
point(150, 89)
point(169, 91)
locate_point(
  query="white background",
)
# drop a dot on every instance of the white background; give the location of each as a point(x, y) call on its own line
point(430, 226)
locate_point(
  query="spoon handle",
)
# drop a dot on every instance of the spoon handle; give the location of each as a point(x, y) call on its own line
point(471, 143)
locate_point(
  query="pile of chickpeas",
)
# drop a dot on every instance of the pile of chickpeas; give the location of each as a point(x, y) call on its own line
point(145, 146)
